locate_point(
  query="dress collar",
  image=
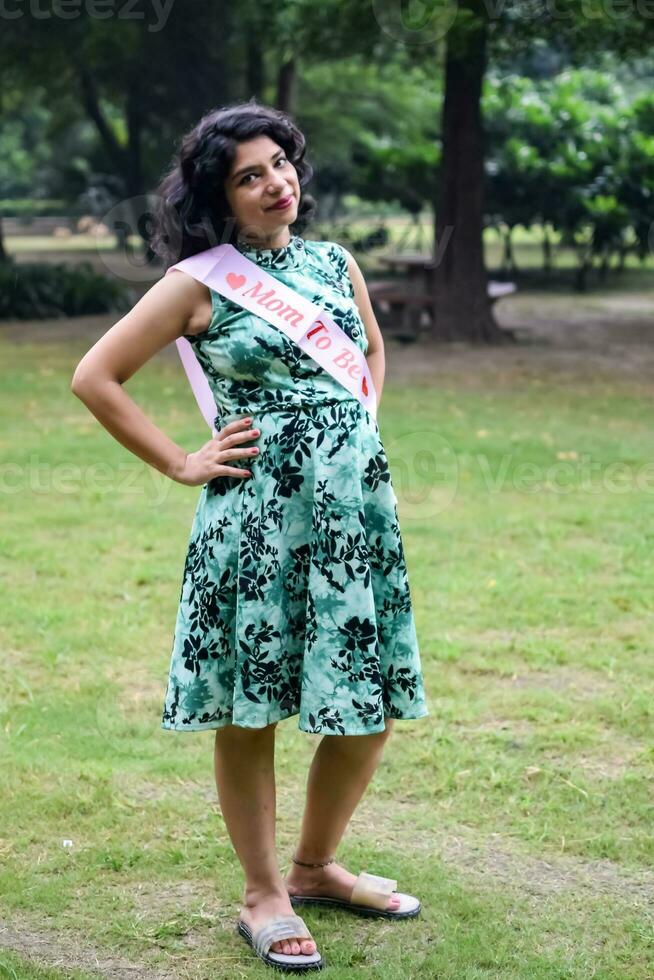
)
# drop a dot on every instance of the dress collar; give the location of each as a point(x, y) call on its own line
point(291, 256)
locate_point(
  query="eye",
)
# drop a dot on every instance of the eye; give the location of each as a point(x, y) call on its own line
point(278, 160)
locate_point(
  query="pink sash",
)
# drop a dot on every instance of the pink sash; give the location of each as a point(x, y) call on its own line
point(236, 277)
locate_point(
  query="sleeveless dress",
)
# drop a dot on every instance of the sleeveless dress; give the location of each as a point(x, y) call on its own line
point(295, 596)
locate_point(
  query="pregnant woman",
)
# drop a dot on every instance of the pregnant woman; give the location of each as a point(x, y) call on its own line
point(295, 597)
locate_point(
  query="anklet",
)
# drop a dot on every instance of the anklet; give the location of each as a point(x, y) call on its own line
point(305, 865)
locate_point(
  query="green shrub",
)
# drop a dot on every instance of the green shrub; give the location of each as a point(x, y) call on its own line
point(36, 291)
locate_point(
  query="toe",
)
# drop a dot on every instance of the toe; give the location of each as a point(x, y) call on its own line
point(394, 902)
point(292, 946)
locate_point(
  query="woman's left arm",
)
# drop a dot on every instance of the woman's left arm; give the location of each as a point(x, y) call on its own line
point(375, 355)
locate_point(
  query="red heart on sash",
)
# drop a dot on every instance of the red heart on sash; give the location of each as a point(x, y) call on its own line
point(364, 386)
point(235, 281)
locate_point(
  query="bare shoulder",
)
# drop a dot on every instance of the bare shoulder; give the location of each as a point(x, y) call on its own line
point(355, 273)
point(348, 255)
point(353, 267)
point(175, 305)
point(193, 295)
point(362, 299)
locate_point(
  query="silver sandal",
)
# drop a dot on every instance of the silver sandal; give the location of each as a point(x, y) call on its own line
point(281, 927)
point(369, 897)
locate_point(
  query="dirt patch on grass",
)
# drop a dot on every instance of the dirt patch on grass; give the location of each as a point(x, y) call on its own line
point(575, 682)
point(65, 951)
point(518, 727)
point(134, 791)
point(610, 759)
point(496, 861)
point(568, 339)
point(571, 680)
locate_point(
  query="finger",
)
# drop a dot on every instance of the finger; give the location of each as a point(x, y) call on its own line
point(231, 471)
point(238, 425)
point(243, 451)
point(237, 437)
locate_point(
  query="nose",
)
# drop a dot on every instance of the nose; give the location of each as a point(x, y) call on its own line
point(276, 183)
point(275, 188)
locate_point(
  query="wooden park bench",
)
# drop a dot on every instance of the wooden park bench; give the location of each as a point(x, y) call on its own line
point(405, 309)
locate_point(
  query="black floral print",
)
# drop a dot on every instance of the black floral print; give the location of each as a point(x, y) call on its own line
point(295, 597)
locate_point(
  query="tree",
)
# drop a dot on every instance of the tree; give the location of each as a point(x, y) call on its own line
point(462, 307)
point(481, 32)
point(138, 86)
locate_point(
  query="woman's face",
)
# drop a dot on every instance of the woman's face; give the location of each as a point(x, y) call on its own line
point(261, 177)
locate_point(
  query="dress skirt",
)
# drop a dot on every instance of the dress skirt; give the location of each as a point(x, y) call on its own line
point(295, 597)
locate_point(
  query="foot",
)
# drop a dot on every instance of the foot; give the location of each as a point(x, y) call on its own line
point(257, 907)
point(332, 881)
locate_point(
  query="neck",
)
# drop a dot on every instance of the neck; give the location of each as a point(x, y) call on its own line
point(276, 240)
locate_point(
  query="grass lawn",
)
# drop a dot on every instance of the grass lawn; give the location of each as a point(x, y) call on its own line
point(520, 811)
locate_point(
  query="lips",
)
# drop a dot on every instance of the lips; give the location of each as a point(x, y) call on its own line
point(282, 204)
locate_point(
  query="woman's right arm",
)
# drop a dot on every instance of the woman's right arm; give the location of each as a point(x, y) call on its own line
point(167, 311)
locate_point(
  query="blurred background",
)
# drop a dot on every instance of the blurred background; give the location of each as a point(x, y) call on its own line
point(464, 152)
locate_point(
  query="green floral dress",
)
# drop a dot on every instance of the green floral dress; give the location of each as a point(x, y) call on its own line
point(295, 597)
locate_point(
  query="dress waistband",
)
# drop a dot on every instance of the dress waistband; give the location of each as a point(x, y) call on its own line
point(308, 407)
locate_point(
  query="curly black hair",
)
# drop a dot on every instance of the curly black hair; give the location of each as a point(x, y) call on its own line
point(191, 211)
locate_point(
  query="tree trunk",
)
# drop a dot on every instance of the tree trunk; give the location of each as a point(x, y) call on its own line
point(286, 85)
point(91, 101)
point(508, 260)
point(547, 251)
point(3, 252)
point(463, 310)
point(133, 169)
point(622, 253)
point(581, 274)
point(254, 70)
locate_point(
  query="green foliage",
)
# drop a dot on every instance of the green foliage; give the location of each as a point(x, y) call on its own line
point(385, 147)
point(32, 291)
point(25, 154)
point(573, 152)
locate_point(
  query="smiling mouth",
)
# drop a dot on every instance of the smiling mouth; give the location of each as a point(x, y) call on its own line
point(282, 204)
